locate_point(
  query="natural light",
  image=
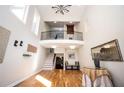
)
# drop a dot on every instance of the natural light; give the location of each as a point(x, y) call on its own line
point(43, 80)
point(20, 12)
point(36, 21)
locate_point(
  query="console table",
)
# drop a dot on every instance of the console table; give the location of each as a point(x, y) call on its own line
point(72, 67)
point(96, 77)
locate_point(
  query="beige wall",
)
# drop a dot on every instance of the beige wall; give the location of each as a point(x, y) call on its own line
point(69, 51)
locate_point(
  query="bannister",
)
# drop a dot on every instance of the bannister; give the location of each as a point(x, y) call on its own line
point(55, 34)
point(54, 58)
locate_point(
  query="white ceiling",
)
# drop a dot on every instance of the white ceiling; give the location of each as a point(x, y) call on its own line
point(48, 14)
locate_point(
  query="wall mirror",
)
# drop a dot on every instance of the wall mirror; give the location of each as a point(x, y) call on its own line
point(109, 51)
point(4, 38)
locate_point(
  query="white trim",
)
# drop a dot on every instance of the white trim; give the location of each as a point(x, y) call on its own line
point(19, 81)
point(61, 43)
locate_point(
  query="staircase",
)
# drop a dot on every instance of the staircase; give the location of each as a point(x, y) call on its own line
point(49, 62)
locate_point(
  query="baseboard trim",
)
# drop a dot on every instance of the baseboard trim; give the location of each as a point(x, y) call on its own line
point(19, 81)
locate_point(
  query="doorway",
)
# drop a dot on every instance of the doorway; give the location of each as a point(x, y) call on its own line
point(70, 29)
point(59, 61)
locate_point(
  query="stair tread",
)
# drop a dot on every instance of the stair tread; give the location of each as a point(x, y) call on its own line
point(48, 63)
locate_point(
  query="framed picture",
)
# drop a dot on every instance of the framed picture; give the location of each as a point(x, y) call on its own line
point(109, 51)
point(71, 56)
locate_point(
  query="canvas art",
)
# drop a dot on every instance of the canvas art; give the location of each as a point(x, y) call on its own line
point(4, 38)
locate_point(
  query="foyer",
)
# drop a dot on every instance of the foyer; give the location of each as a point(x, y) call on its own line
point(40, 45)
point(54, 78)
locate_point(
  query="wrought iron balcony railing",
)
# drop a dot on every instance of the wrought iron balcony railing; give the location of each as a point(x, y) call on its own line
point(55, 34)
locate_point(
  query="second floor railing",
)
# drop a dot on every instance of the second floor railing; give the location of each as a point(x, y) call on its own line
point(52, 35)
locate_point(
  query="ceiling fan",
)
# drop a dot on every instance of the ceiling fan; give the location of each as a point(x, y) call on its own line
point(61, 8)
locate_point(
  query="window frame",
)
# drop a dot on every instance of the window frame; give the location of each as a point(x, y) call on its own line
point(24, 13)
point(36, 22)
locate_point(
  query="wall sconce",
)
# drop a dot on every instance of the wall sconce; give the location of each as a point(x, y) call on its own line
point(15, 43)
point(21, 43)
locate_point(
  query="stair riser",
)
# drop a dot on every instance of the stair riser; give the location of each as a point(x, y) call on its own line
point(48, 63)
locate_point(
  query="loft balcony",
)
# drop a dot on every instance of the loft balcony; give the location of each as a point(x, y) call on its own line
point(55, 35)
point(61, 39)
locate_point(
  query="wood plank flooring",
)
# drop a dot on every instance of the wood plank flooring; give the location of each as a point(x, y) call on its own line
point(54, 78)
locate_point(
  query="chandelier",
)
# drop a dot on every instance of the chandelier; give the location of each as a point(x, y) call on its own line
point(61, 9)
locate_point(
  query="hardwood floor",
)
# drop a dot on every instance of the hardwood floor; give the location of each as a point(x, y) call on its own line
point(54, 78)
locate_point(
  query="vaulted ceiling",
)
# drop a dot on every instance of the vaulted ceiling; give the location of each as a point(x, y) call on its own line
point(48, 14)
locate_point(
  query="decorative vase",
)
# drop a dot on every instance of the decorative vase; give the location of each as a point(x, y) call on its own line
point(97, 63)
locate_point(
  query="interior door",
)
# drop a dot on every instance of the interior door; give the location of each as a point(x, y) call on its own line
point(59, 61)
point(70, 29)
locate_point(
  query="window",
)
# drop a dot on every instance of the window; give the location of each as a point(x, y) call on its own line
point(20, 12)
point(36, 21)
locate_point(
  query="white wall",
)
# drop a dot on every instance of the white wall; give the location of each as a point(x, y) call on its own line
point(59, 50)
point(103, 24)
point(44, 26)
point(70, 51)
point(15, 66)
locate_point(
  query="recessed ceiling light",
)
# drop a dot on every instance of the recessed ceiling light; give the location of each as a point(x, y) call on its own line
point(53, 46)
point(72, 47)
